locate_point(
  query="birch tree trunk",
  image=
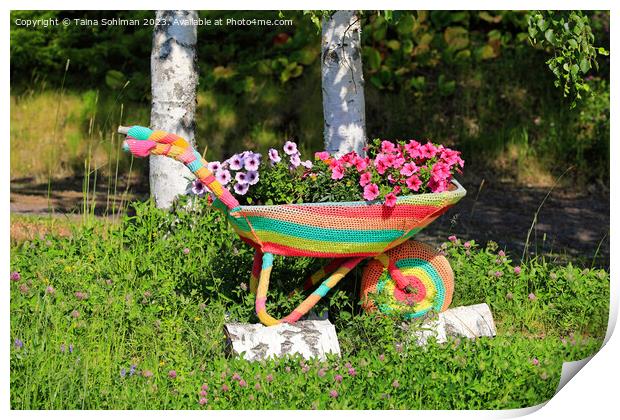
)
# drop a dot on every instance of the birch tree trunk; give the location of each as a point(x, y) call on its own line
point(174, 77)
point(343, 84)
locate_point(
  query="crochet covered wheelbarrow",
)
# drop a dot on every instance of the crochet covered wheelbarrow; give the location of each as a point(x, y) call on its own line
point(403, 277)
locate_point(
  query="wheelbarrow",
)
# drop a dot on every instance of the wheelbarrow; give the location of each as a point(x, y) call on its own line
point(402, 276)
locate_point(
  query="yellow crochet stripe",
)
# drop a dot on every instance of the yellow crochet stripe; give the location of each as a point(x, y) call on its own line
point(425, 303)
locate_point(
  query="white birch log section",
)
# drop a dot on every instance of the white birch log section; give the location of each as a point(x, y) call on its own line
point(311, 339)
point(343, 84)
point(463, 321)
point(174, 78)
point(316, 338)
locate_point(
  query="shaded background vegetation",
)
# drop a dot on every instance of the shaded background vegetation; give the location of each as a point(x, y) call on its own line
point(467, 79)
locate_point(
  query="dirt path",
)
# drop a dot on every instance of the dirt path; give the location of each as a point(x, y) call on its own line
point(570, 226)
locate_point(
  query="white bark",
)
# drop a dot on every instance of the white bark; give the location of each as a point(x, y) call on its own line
point(464, 321)
point(316, 338)
point(308, 338)
point(174, 78)
point(343, 84)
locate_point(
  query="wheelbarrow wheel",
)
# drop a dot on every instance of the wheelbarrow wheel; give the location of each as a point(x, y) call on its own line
point(408, 281)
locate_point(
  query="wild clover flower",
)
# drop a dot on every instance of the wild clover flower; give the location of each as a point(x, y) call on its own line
point(395, 384)
point(186, 251)
point(333, 393)
point(71, 348)
point(18, 343)
point(517, 270)
point(132, 370)
point(75, 313)
point(15, 276)
point(531, 296)
point(172, 374)
point(123, 372)
point(338, 378)
point(202, 401)
point(50, 290)
point(269, 378)
point(81, 295)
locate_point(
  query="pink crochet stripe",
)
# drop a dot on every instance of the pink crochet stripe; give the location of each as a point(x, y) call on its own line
point(260, 304)
point(292, 317)
point(170, 138)
point(188, 156)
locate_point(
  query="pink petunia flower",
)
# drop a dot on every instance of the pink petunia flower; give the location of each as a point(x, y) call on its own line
point(409, 169)
point(428, 150)
point(388, 146)
point(413, 149)
point(413, 183)
point(390, 199)
point(365, 179)
point(371, 191)
point(338, 172)
point(321, 155)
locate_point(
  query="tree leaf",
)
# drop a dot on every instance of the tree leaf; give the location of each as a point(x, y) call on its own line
point(456, 37)
point(584, 65)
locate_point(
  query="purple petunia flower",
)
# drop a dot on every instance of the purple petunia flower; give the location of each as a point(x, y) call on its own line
point(307, 164)
point(274, 157)
point(252, 162)
point(241, 178)
point(223, 176)
point(241, 189)
point(252, 177)
point(290, 148)
point(214, 166)
point(235, 162)
point(198, 188)
point(295, 161)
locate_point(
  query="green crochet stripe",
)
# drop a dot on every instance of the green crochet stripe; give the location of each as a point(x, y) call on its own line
point(318, 233)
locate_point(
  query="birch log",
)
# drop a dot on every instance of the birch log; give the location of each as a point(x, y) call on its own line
point(316, 338)
point(308, 338)
point(463, 321)
point(174, 77)
point(343, 84)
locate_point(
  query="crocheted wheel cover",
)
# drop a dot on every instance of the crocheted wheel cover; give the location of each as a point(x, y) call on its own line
point(428, 272)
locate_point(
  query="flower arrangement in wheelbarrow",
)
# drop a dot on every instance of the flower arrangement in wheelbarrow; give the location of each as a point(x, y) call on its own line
point(346, 209)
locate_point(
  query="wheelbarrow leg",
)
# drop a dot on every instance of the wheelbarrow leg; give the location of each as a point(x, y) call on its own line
point(256, 268)
point(263, 285)
point(314, 279)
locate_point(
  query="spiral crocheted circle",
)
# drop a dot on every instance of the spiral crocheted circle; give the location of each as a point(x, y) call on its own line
point(426, 271)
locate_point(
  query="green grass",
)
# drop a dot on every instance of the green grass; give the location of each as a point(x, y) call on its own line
point(128, 294)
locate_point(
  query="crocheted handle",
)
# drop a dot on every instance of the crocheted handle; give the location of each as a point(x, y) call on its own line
point(142, 141)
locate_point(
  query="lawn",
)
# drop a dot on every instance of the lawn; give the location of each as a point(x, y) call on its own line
point(130, 315)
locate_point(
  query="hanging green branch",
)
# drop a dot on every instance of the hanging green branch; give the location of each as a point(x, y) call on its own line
point(569, 36)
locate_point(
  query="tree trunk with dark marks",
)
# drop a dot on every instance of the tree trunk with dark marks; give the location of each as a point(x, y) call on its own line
point(174, 77)
point(343, 84)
